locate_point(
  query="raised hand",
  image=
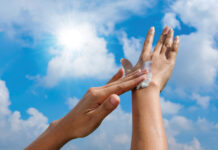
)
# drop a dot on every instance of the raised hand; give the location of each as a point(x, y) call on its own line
point(163, 57)
point(146, 109)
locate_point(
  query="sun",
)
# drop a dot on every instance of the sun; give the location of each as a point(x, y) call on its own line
point(73, 37)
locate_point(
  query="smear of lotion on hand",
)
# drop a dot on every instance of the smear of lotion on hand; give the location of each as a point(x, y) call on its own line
point(145, 83)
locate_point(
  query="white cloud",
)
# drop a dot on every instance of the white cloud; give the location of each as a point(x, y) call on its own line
point(17, 133)
point(177, 124)
point(203, 101)
point(71, 102)
point(131, 47)
point(205, 126)
point(197, 59)
point(87, 58)
point(76, 25)
point(171, 21)
point(169, 107)
point(4, 99)
point(122, 139)
point(180, 126)
point(194, 145)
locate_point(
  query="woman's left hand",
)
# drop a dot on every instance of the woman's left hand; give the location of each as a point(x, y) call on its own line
point(163, 57)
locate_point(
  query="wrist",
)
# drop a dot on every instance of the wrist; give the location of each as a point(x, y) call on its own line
point(58, 133)
point(155, 86)
point(152, 85)
point(53, 138)
point(64, 128)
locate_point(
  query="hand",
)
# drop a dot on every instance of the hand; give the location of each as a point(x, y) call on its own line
point(163, 57)
point(96, 104)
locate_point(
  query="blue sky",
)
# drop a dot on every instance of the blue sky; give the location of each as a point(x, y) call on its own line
point(52, 52)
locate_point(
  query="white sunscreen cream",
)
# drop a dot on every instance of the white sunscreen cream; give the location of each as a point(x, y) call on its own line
point(145, 83)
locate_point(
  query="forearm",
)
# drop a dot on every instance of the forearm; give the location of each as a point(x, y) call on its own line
point(53, 138)
point(148, 130)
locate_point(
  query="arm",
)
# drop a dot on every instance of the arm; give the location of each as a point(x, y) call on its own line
point(148, 129)
point(88, 114)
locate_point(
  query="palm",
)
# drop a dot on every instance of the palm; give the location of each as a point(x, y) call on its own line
point(163, 57)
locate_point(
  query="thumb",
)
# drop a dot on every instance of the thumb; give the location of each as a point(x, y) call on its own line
point(126, 65)
point(107, 106)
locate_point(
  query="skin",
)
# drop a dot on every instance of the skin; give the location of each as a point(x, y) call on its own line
point(88, 114)
point(148, 129)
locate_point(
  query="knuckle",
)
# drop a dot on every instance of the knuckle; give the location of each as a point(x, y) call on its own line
point(148, 41)
point(161, 40)
point(93, 92)
point(143, 59)
point(89, 116)
point(167, 45)
point(120, 89)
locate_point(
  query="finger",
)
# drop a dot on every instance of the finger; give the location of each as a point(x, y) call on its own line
point(168, 42)
point(127, 65)
point(147, 44)
point(174, 50)
point(107, 107)
point(161, 40)
point(130, 76)
point(117, 76)
point(123, 87)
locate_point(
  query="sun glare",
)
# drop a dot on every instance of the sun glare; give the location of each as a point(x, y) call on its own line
point(71, 38)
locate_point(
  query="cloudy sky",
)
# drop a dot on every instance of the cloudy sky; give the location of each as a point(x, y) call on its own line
point(52, 51)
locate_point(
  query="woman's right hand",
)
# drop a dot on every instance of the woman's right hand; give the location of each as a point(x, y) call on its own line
point(95, 105)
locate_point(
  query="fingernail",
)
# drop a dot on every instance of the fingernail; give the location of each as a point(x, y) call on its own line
point(114, 100)
point(143, 77)
point(177, 38)
point(121, 69)
point(138, 71)
point(152, 28)
point(143, 72)
point(170, 31)
point(135, 72)
point(166, 30)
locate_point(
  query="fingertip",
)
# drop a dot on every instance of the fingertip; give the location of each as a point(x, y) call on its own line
point(122, 69)
point(177, 39)
point(171, 31)
point(176, 42)
point(121, 60)
point(152, 29)
point(166, 30)
point(142, 77)
point(146, 71)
